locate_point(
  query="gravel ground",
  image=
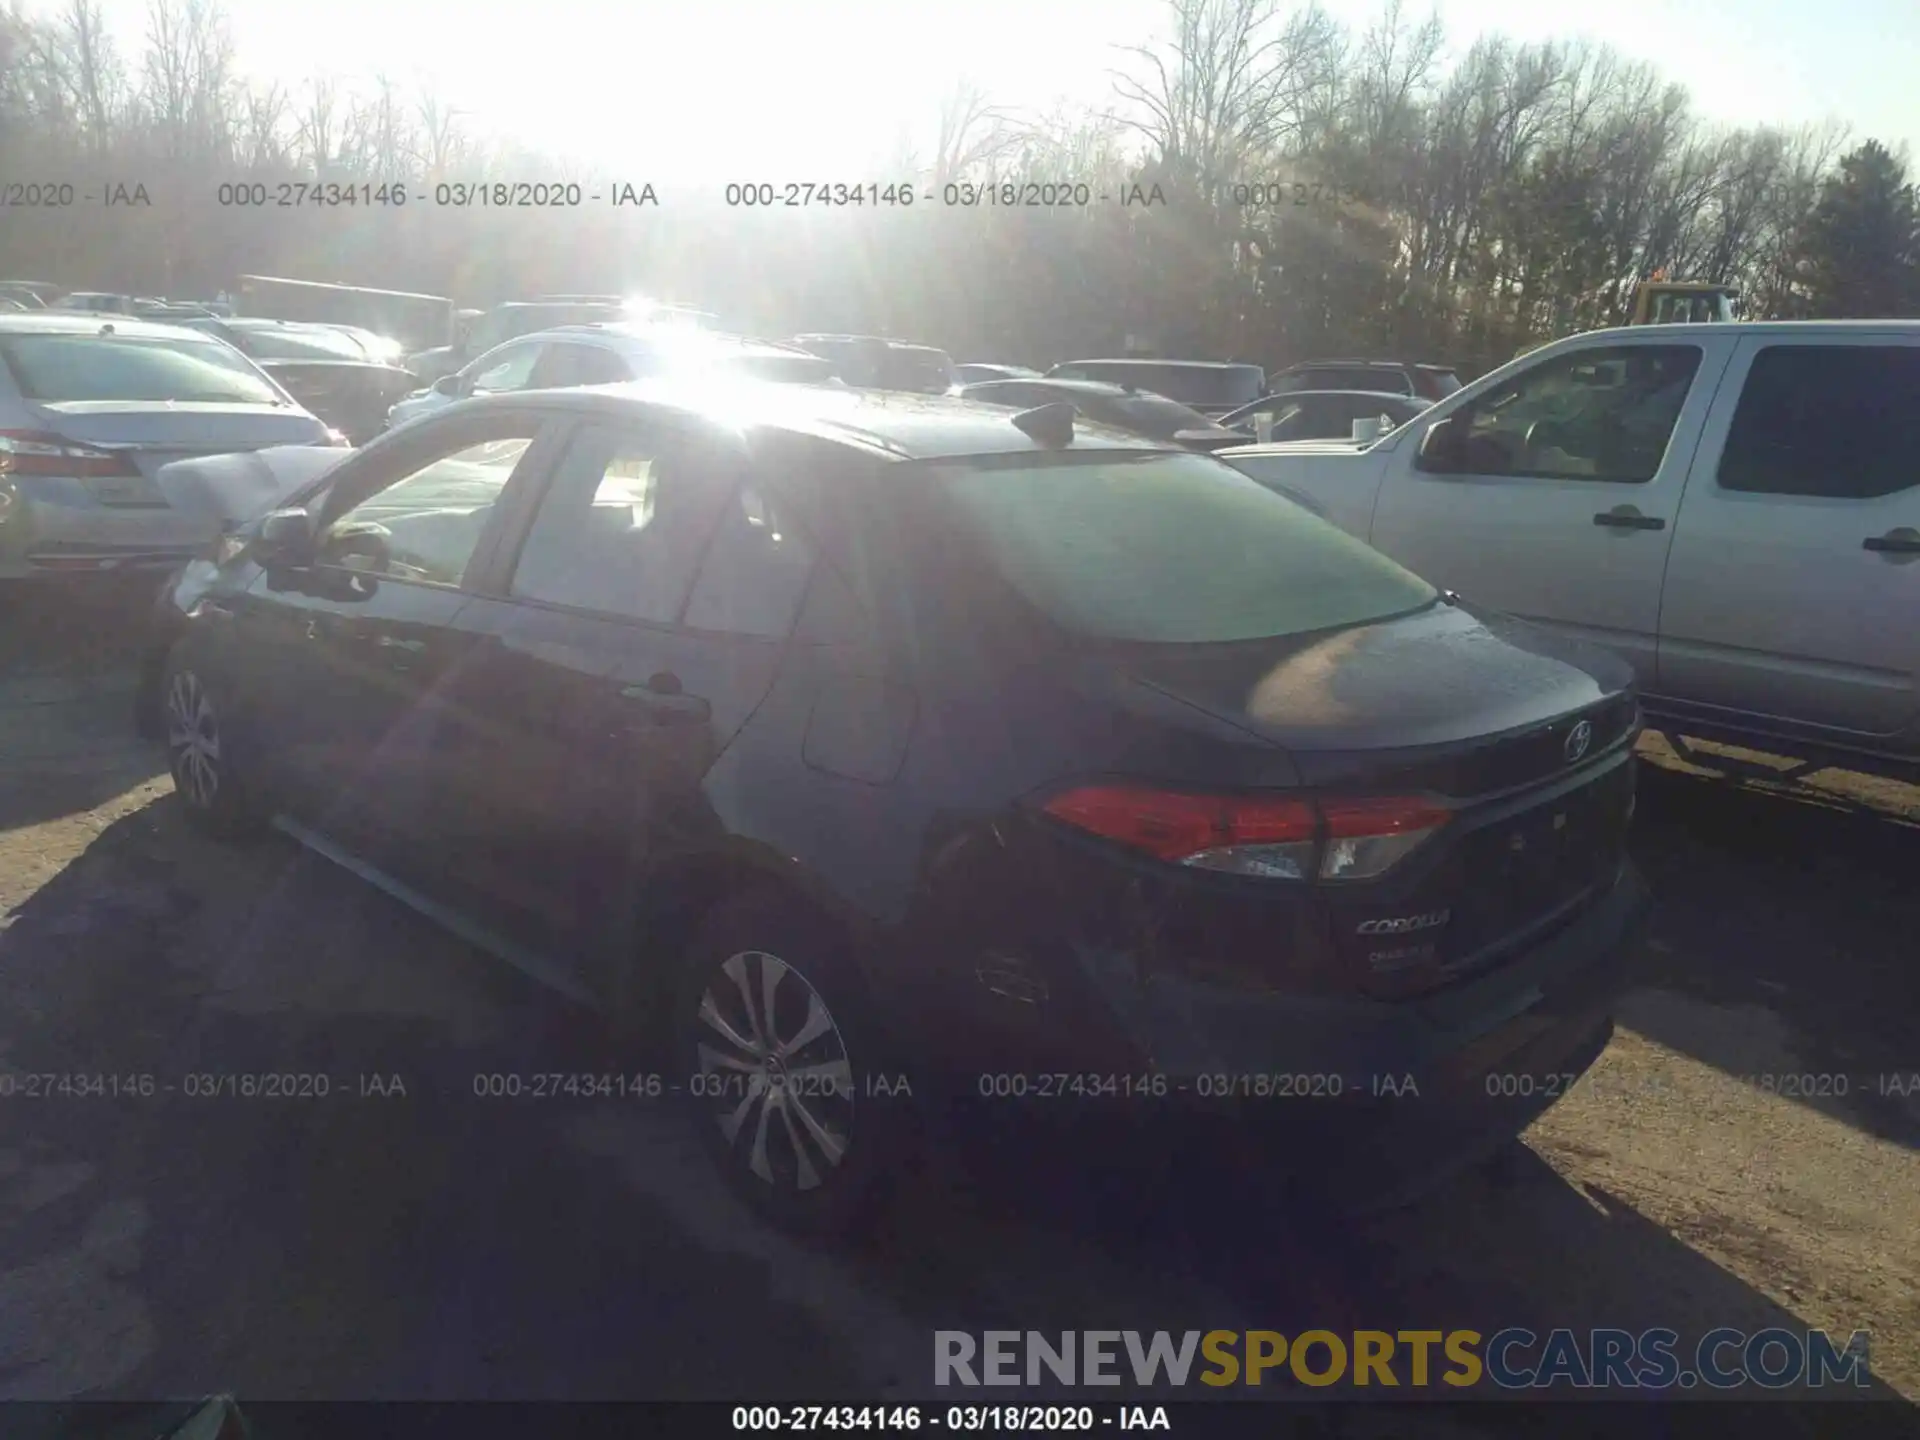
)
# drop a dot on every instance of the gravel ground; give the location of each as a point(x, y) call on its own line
point(433, 1245)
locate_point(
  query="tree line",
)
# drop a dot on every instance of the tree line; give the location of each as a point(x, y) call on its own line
point(1307, 189)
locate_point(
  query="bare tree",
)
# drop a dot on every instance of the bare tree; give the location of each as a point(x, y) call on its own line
point(1237, 79)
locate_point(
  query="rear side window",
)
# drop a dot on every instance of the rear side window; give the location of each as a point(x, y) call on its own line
point(124, 367)
point(1169, 548)
point(621, 527)
point(755, 571)
point(1392, 382)
point(1837, 421)
point(787, 369)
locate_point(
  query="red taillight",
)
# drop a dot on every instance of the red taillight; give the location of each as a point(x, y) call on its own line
point(40, 452)
point(1274, 837)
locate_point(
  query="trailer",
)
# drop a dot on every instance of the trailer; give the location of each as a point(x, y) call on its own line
point(418, 322)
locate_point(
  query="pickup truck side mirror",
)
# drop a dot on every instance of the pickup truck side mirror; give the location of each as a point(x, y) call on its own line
point(1443, 449)
point(284, 540)
point(452, 386)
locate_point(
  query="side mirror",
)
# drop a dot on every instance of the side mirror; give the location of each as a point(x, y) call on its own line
point(284, 540)
point(1443, 449)
point(1368, 429)
point(452, 386)
point(1263, 427)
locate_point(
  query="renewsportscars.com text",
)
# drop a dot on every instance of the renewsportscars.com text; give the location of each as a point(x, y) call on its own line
point(1511, 1358)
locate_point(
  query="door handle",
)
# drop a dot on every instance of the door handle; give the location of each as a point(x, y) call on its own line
point(1625, 517)
point(1903, 541)
point(663, 700)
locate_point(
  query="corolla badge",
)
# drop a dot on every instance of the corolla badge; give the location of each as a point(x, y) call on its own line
point(1578, 739)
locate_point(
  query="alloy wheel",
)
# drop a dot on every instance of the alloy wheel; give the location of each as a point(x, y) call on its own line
point(193, 741)
point(775, 1071)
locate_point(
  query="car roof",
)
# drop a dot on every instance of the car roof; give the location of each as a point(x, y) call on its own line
point(640, 335)
point(895, 424)
point(57, 322)
point(1092, 389)
point(1146, 360)
point(1398, 396)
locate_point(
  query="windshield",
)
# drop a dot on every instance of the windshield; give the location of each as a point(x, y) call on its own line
point(277, 344)
point(1169, 548)
point(56, 368)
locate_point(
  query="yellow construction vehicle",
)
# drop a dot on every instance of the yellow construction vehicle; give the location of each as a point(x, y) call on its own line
point(1661, 301)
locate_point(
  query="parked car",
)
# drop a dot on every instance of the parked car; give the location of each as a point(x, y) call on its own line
point(90, 409)
point(1210, 386)
point(976, 373)
point(869, 362)
point(1321, 414)
point(324, 367)
point(33, 294)
point(877, 743)
point(487, 330)
point(608, 355)
point(1136, 411)
point(1423, 382)
point(1734, 509)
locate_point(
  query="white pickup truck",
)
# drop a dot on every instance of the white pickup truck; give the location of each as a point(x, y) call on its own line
point(1733, 508)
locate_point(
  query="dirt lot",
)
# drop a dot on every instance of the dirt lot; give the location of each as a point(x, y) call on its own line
point(438, 1245)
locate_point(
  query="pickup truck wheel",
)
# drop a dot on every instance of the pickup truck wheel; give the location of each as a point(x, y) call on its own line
point(200, 754)
point(777, 1050)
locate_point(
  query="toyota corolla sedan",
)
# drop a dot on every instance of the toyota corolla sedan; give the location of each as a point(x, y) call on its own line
point(887, 745)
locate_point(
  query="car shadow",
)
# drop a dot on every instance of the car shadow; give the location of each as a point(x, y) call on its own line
point(1787, 901)
point(68, 660)
point(1036, 1235)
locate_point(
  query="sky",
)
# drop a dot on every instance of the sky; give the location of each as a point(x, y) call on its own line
point(726, 90)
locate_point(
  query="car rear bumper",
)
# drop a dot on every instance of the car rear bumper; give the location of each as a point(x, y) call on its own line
point(61, 530)
point(1385, 1097)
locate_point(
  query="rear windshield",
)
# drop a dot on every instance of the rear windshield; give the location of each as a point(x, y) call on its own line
point(136, 368)
point(1222, 386)
point(1169, 548)
point(1158, 416)
point(300, 344)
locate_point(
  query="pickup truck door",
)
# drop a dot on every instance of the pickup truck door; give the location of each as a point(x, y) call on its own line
point(1561, 509)
point(1793, 592)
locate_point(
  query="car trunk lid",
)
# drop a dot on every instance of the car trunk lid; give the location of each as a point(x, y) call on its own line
point(1524, 738)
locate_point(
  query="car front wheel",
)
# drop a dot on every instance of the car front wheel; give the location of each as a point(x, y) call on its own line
point(199, 753)
point(780, 1063)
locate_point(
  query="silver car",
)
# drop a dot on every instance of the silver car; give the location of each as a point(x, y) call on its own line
point(90, 408)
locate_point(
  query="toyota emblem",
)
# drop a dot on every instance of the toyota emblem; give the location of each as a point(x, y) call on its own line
point(1578, 739)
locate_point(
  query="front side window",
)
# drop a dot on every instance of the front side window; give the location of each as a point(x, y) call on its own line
point(1837, 421)
point(57, 368)
point(622, 526)
point(1604, 414)
point(1167, 548)
point(507, 370)
point(427, 524)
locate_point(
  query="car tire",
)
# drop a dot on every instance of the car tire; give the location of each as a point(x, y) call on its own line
point(200, 753)
point(779, 1055)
